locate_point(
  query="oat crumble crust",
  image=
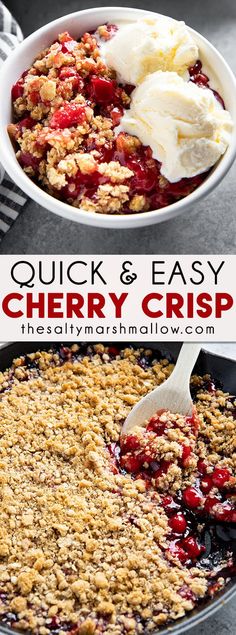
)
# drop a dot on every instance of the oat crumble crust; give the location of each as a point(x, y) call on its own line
point(67, 548)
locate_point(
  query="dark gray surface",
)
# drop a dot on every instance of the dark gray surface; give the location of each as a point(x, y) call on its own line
point(211, 228)
point(223, 623)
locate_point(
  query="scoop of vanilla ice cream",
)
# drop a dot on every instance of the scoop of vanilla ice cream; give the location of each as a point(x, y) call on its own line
point(149, 45)
point(184, 124)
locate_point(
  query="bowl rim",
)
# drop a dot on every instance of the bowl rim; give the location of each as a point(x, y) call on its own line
point(69, 212)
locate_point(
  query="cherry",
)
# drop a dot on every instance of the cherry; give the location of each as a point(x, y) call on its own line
point(184, 187)
point(113, 351)
point(34, 97)
point(70, 73)
point(27, 160)
point(116, 113)
point(76, 184)
point(178, 523)
point(17, 90)
point(160, 199)
point(27, 122)
point(169, 504)
point(156, 425)
point(54, 624)
point(206, 484)
point(192, 498)
point(223, 512)
point(159, 429)
point(201, 78)
point(147, 457)
point(193, 422)
point(193, 549)
point(202, 466)
point(68, 116)
point(66, 72)
point(163, 469)
point(194, 70)
point(102, 90)
point(186, 452)
point(131, 464)
point(129, 443)
point(178, 552)
point(210, 502)
point(144, 179)
point(220, 476)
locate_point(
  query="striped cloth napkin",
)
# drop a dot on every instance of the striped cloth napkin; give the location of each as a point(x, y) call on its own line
point(12, 199)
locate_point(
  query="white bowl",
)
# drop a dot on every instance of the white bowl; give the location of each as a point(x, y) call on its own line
point(77, 23)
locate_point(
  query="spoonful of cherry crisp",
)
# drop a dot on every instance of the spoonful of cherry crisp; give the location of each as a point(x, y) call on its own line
point(173, 395)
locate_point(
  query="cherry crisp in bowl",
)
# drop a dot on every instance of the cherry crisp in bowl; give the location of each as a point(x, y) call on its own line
point(69, 136)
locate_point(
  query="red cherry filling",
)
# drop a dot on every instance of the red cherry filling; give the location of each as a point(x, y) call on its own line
point(67, 42)
point(202, 80)
point(130, 463)
point(157, 426)
point(17, 90)
point(196, 69)
point(142, 453)
point(68, 116)
point(178, 523)
point(86, 183)
point(27, 123)
point(187, 593)
point(144, 179)
point(170, 505)
point(27, 160)
point(178, 552)
point(102, 90)
point(187, 450)
point(206, 484)
point(192, 498)
point(194, 550)
point(202, 466)
point(186, 549)
point(129, 443)
point(220, 476)
point(68, 73)
point(116, 113)
point(113, 351)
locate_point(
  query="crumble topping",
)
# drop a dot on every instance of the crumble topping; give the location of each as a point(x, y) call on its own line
point(109, 198)
point(84, 546)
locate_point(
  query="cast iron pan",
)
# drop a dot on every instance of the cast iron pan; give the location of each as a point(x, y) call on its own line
point(223, 370)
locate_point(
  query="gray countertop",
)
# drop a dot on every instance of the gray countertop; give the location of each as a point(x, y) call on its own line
point(210, 228)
